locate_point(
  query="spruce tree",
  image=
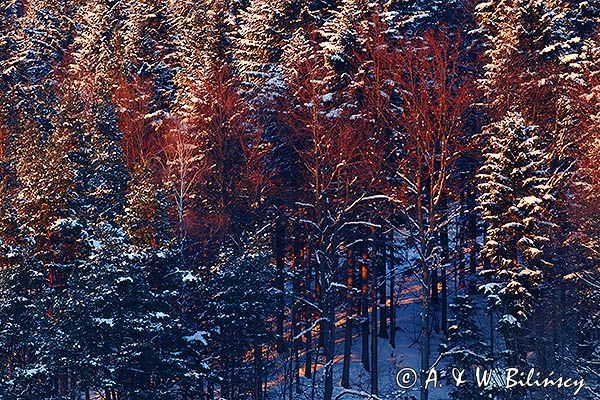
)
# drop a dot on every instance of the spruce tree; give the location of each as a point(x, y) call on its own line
point(238, 307)
point(464, 347)
point(515, 191)
point(264, 26)
point(340, 33)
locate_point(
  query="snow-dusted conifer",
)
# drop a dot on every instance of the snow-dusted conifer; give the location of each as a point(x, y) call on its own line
point(264, 26)
point(515, 190)
point(464, 347)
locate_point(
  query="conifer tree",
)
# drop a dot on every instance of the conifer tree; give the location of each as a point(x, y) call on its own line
point(238, 306)
point(41, 225)
point(585, 235)
point(264, 26)
point(515, 189)
point(340, 33)
point(464, 347)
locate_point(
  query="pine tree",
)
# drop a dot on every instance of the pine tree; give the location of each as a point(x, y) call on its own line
point(464, 348)
point(41, 227)
point(144, 44)
point(205, 34)
point(23, 322)
point(264, 26)
point(340, 33)
point(10, 11)
point(587, 354)
point(502, 24)
point(515, 192)
point(584, 238)
point(122, 309)
point(238, 307)
point(529, 44)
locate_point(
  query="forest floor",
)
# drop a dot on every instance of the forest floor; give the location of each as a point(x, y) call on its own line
point(406, 354)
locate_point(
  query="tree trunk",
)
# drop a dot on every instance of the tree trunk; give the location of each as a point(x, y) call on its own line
point(492, 337)
point(364, 309)
point(425, 334)
point(348, 325)
point(374, 337)
point(329, 351)
point(308, 347)
point(211, 391)
point(382, 284)
point(426, 308)
point(295, 340)
point(279, 254)
point(258, 377)
point(472, 238)
point(319, 296)
point(392, 294)
point(433, 302)
point(307, 320)
point(265, 377)
point(444, 261)
point(434, 288)
point(326, 275)
point(459, 276)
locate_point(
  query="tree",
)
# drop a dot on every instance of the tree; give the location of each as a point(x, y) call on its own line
point(464, 347)
point(337, 196)
point(241, 305)
point(35, 242)
point(584, 241)
point(185, 168)
point(434, 95)
point(231, 144)
point(145, 46)
point(264, 26)
point(516, 188)
point(341, 34)
point(370, 101)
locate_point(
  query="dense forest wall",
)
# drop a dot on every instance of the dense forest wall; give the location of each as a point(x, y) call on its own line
point(231, 198)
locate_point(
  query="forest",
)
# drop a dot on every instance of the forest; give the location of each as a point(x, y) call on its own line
point(298, 199)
